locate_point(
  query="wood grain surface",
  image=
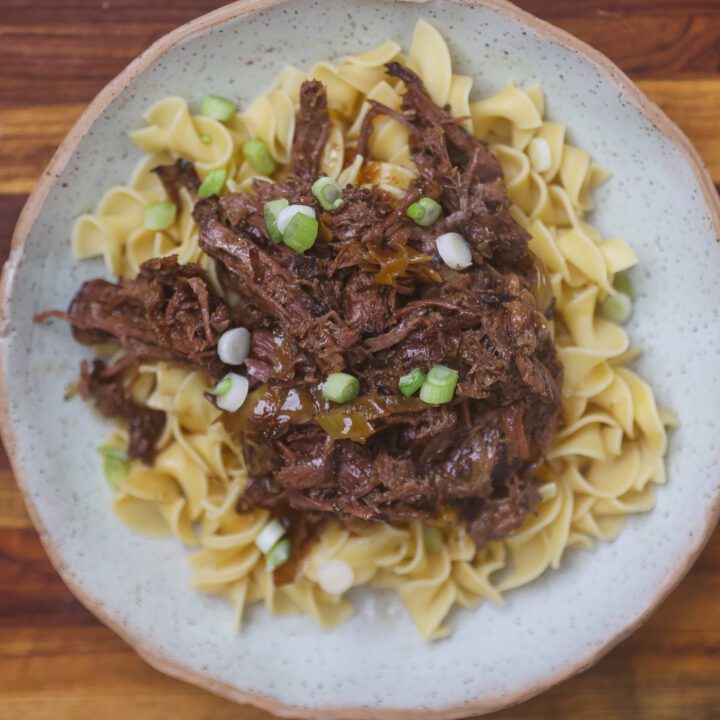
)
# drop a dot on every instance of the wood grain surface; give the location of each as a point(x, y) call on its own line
point(56, 661)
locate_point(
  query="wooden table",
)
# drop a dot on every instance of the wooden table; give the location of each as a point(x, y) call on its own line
point(57, 661)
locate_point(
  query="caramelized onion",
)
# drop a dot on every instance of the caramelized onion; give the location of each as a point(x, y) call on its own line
point(395, 261)
point(353, 421)
point(269, 411)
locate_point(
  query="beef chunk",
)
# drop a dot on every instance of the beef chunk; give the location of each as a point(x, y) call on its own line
point(169, 312)
point(181, 174)
point(111, 398)
point(312, 128)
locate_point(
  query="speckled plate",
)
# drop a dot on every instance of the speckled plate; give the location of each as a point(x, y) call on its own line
point(660, 199)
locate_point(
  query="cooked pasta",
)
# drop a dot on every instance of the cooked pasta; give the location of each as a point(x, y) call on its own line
point(607, 457)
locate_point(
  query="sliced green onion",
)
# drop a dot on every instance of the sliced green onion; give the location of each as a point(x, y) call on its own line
point(623, 284)
point(540, 154)
point(617, 308)
point(411, 382)
point(454, 251)
point(335, 576)
point(269, 536)
point(258, 155)
point(432, 538)
point(440, 385)
point(223, 387)
point(424, 212)
point(205, 139)
point(285, 216)
point(233, 346)
point(340, 387)
point(327, 192)
point(115, 464)
point(301, 233)
point(213, 183)
point(160, 215)
point(232, 186)
point(279, 554)
point(218, 108)
point(231, 392)
point(270, 213)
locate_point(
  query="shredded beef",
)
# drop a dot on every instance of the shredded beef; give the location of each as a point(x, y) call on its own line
point(380, 286)
point(372, 298)
point(181, 174)
point(168, 312)
point(313, 126)
point(111, 398)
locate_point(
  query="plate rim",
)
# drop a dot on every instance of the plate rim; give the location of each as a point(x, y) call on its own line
point(630, 92)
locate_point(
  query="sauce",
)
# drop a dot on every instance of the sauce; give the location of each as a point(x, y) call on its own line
point(353, 421)
point(394, 261)
point(270, 411)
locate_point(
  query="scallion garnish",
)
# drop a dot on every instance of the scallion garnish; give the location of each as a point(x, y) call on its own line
point(623, 284)
point(432, 538)
point(410, 383)
point(301, 233)
point(222, 387)
point(217, 108)
point(279, 554)
point(617, 308)
point(234, 346)
point(270, 213)
point(424, 212)
point(340, 387)
point(205, 139)
point(287, 214)
point(327, 192)
point(335, 576)
point(440, 385)
point(540, 154)
point(258, 155)
point(454, 250)
point(160, 215)
point(230, 392)
point(269, 536)
point(213, 183)
point(115, 464)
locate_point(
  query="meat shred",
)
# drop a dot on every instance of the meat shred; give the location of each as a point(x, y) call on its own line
point(371, 298)
point(145, 425)
point(472, 460)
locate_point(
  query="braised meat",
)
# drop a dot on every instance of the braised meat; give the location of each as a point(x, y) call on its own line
point(168, 312)
point(112, 399)
point(373, 298)
point(181, 174)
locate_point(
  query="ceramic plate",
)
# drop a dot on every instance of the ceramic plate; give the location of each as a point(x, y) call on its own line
point(659, 199)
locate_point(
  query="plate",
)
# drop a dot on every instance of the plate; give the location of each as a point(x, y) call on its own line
point(660, 199)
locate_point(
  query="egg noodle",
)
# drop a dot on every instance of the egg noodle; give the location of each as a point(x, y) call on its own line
point(606, 458)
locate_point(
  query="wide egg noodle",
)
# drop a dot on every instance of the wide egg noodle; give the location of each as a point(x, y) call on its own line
point(606, 459)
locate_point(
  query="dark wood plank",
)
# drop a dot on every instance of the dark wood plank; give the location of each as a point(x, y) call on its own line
point(10, 207)
point(57, 662)
point(70, 49)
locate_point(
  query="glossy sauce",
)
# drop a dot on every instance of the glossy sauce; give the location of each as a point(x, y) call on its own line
point(269, 412)
point(353, 421)
point(395, 261)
